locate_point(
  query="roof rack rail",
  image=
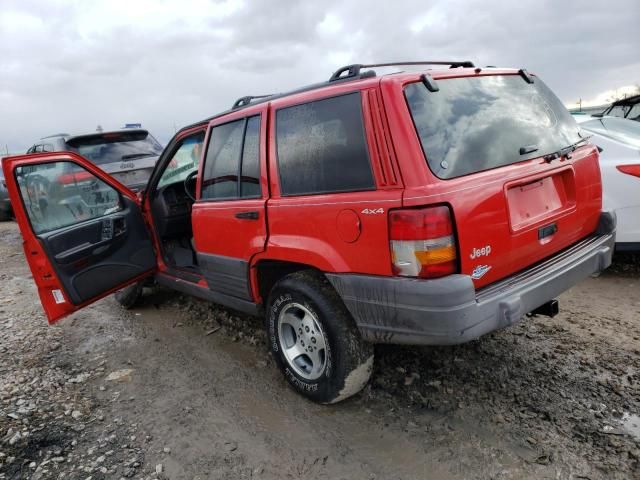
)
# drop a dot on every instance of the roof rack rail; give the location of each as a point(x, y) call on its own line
point(244, 101)
point(354, 70)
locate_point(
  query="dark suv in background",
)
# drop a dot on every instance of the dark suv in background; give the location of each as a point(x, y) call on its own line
point(128, 155)
point(5, 204)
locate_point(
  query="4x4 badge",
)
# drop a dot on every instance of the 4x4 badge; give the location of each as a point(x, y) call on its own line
point(372, 211)
point(479, 271)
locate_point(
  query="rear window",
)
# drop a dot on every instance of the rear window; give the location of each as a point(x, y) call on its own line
point(478, 123)
point(116, 147)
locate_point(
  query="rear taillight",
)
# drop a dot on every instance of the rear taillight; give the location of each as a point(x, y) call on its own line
point(71, 178)
point(630, 169)
point(422, 242)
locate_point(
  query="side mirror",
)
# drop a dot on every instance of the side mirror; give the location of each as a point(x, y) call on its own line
point(600, 149)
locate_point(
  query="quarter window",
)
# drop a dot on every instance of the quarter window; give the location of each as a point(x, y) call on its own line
point(233, 152)
point(322, 148)
point(250, 178)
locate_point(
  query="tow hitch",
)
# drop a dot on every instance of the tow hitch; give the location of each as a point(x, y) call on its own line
point(549, 309)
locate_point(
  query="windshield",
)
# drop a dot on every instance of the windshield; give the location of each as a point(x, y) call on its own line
point(620, 129)
point(184, 161)
point(117, 148)
point(477, 123)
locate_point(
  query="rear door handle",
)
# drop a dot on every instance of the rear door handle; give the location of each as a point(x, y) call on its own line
point(248, 215)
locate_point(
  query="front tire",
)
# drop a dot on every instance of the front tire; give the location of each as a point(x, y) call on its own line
point(314, 340)
point(130, 296)
point(5, 216)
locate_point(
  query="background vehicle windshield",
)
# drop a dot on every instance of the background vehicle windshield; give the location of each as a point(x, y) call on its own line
point(477, 123)
point(620, 129)
point(116, 147)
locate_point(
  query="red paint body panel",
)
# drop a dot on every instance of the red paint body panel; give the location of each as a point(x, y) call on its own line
point(216, 229)
point(306, 228)
point(479, 201)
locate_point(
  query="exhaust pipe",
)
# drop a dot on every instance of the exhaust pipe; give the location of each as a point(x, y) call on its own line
point(549, 309)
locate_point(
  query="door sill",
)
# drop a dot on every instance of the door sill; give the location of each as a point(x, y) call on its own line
point(182, 274)
point(190, 288)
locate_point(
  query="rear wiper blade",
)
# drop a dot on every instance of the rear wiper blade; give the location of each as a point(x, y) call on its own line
point(566, 151)
point(528, 149)
point(137, 155)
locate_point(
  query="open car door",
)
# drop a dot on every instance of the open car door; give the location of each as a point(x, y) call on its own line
point(84, 233)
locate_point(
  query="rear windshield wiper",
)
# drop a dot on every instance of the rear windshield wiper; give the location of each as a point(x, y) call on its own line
point(566, 151)
point(138, 155)
point(528, 149)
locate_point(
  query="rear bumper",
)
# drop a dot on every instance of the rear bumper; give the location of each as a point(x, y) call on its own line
point(449, 310)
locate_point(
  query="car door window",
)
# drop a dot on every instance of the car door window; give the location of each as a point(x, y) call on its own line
point(250, 177)
point(60, 194)
point(233, 151)
point(184, 161)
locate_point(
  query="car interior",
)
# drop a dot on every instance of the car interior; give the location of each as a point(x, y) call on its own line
point(171, 202)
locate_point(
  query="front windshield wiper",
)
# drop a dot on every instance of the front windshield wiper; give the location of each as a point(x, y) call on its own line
point(566, 151)
point(138, 155)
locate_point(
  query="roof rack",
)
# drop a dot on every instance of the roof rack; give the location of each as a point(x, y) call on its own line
point(353, 74)
point(354, 70)
point(244, 101)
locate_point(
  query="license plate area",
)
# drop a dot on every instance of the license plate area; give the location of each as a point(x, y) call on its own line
point(531, 201)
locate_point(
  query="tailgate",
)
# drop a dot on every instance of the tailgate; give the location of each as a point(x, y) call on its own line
point(510, 161)
point(132, 173)
point(536, 211)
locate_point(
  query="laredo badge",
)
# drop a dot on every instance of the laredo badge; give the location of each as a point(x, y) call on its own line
point(479, 271)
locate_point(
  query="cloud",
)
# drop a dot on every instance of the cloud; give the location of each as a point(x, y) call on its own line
point(68, 65)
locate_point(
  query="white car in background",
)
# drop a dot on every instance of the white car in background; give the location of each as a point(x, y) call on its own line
point(619, 142)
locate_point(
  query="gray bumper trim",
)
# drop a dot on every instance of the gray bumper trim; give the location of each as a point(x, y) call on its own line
point(449, 311)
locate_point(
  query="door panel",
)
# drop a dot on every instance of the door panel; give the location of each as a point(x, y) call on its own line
point(90, 258)
point(225, 240)
point(84, 234)
point(229, 217)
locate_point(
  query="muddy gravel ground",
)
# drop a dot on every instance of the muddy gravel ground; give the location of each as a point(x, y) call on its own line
point(182, 389)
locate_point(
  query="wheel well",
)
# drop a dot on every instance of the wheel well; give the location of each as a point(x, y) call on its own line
point(271, 271)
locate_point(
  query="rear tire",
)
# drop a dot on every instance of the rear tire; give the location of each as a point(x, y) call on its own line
point(130, 296)
point(314, 340)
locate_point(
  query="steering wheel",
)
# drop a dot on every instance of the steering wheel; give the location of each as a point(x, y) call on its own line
point(190, 185)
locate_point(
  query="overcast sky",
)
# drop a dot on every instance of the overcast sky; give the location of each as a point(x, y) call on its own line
point(70, 65)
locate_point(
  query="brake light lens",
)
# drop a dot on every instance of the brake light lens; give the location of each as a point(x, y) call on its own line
point(71, 178)
point(630, 169)
point(422, 242)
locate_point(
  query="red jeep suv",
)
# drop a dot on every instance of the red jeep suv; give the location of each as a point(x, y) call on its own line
point(413, 208)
